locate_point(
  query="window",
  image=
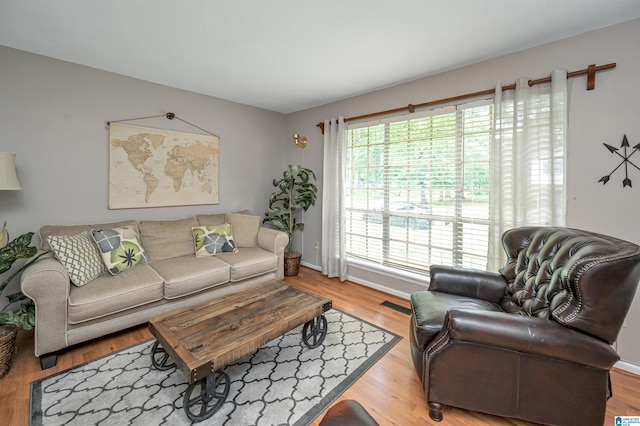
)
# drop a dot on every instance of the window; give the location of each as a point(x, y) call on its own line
point(417, 190)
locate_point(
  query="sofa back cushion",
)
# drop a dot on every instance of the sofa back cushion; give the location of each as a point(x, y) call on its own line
point(166, 239)
point(211, 219)
point(69, 230)
point(245, 229)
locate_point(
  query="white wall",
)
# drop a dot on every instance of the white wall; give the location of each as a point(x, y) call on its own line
point(602, 115)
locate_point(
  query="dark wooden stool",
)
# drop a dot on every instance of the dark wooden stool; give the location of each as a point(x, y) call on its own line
point(348, 413)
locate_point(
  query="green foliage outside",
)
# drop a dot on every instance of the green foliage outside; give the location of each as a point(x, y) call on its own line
point(425, 160)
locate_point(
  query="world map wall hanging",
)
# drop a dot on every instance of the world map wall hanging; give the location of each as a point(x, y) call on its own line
point(151, 167)
point(625, 161)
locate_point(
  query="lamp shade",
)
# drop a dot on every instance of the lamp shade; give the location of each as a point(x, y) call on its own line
point(8, 177)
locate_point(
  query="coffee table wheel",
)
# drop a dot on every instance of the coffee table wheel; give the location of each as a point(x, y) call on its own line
point(205, 397)
point(314, 331)
point(160, 357)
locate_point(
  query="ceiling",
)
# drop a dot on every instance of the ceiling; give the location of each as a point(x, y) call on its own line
point(290, 55)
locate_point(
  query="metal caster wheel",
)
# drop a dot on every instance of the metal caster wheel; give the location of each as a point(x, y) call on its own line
point(160, 357)
point(314, 332)
point(205, 397)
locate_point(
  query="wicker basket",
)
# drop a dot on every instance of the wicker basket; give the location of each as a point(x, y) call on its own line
point(8, 333)
point(292, 264)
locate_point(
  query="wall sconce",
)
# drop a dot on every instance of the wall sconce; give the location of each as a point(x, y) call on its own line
point(301, 141)
point(8, 178)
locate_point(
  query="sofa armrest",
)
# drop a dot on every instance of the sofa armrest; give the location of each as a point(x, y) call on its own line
point(46, 282)
point(530, 335)
point(475, 283)
point(274, 241)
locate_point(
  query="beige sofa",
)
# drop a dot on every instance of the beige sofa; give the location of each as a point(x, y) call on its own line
point(173, 278)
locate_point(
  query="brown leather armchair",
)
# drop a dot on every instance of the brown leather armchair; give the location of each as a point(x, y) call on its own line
point(532, 341)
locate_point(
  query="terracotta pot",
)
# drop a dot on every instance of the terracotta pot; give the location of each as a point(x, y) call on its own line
point(292, 263)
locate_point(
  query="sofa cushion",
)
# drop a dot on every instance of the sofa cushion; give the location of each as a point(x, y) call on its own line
point(164, 239)
point(211, 219)
point(188, 274)
point(249, 262)
point(245, 229)
point(79, 255)
point(211, 240)
point(120, 248)
point(109, 294)
point(48, 230)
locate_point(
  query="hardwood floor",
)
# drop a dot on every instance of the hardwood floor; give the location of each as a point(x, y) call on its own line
point(390, 390)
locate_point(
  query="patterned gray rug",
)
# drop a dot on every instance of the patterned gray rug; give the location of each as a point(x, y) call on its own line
point(283, 383)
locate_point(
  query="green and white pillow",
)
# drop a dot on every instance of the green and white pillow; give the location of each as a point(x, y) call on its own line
point(211, 240)
point(120, 248)
point(79, 256)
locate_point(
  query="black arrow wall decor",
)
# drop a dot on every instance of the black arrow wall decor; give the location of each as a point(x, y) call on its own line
point(625, 160)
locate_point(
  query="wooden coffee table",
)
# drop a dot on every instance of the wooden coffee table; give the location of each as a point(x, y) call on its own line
point(205, 338)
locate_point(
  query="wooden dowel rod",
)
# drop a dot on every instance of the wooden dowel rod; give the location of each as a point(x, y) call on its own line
point(411, 107)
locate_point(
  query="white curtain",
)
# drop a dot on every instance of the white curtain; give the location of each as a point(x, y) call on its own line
point(334, 258)
point(528, 176)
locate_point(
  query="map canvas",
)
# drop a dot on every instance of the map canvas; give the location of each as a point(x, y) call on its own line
point(157, 168)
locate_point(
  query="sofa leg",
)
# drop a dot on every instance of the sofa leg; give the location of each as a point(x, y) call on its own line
point(48, 360)
point(435, 411)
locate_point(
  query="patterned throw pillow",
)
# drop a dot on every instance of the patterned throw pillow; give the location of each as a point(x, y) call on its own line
point(79, 256)
point(212, 240)
point(120, 248)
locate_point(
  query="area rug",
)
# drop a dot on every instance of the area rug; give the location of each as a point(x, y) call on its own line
point(283, 383)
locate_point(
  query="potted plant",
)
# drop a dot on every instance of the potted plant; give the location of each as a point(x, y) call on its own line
point(295, 192)
point(23, 316)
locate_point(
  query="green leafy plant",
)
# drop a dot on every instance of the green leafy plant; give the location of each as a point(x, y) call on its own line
point(295, 192)
point(23, 316)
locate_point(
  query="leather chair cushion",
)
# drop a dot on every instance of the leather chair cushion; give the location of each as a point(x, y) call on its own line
point(430, 308)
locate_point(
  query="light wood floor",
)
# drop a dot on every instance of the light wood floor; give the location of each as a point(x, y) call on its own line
point(390, 390)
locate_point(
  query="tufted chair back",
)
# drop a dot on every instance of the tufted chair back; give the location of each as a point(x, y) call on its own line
point(582, 280)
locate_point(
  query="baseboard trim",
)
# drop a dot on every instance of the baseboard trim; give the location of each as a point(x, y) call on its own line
point(366, 283)
point(628, 367)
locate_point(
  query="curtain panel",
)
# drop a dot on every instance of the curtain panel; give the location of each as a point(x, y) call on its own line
point(528, 178)
point(334, 257)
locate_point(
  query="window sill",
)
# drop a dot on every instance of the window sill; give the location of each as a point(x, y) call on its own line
point(411, 277)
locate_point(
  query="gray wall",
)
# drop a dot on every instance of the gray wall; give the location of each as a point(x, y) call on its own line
point(53, 115)
point(602, 115)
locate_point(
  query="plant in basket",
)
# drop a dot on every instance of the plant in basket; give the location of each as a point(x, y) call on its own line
point(14, 316)
point(295, 192)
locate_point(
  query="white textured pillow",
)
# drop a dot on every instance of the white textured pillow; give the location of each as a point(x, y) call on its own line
point(79, 256)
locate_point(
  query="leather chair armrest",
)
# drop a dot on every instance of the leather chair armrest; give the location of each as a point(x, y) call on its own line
point(531, 335)
point(489, 286)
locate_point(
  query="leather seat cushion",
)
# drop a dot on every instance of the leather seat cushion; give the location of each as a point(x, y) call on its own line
point(429, 309)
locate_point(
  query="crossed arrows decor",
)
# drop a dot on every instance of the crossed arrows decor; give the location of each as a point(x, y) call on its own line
point(625, 160)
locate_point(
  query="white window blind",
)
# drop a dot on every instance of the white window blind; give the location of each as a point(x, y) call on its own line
point(417, 189)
